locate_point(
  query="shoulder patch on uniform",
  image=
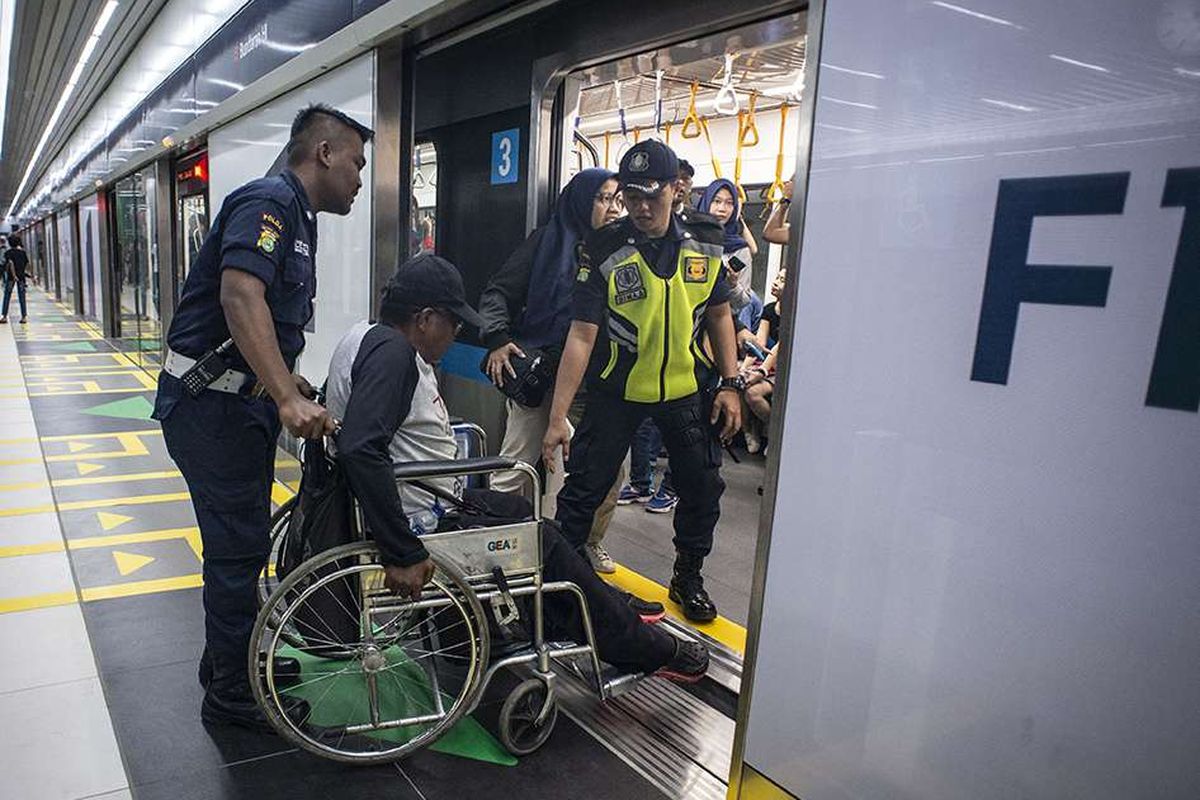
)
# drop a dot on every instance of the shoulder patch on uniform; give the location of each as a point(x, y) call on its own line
point(695, 269)
point(271, 219)
point(268, 237)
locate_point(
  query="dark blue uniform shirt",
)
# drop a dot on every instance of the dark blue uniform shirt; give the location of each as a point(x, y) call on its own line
point(268, 229)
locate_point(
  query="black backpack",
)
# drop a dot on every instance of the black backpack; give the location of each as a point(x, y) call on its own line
point(322, 519)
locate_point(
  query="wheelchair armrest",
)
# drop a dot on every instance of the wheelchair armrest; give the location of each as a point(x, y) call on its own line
point(416, 470)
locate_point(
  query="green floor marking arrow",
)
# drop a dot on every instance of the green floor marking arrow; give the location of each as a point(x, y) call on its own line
point(129, 408)
point(74, 347)
point(336, 691)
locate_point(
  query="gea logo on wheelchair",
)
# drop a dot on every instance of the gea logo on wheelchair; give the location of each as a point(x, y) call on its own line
point(496, 545)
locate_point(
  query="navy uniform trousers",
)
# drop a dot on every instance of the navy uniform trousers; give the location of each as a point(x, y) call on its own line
point(599, 446)
point(224, 444)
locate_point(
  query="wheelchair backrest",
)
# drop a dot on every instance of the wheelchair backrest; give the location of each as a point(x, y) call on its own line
point(472, 443)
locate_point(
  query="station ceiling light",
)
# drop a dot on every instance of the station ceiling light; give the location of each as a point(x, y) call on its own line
point(8, 12)
point(89, 47)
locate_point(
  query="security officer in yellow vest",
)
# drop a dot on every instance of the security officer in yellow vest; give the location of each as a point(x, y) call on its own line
point(648, 286)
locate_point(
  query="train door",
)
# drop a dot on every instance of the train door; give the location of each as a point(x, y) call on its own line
point(65, 281)
point(135, 266)
point(727, 104)
point(191, 213)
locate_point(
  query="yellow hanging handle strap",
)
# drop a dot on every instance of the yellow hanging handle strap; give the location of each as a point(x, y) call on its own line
point(692, 123)
point(667, 127)
point(637, 135)
point(607, 142)
point(775, 190)
point(716, 165)
point(746, 127)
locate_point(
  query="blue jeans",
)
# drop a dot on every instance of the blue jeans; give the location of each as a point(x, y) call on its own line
point(8, 289)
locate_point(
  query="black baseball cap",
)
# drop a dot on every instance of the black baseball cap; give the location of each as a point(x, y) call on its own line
point(648, 167)
point(429, 281)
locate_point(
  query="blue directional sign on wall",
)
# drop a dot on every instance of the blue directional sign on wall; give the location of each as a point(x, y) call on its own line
point(506, 152)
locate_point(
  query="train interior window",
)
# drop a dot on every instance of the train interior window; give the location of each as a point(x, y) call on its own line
point(191, 214)
point(422, 227)
point(728, 105)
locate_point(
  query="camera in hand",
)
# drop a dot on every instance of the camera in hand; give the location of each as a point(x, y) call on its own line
point(535, 375)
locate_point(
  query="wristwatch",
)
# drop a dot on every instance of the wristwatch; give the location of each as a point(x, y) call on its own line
point(737, 383)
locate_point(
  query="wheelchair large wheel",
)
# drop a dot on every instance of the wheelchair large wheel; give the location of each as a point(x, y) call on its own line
point(383, 676)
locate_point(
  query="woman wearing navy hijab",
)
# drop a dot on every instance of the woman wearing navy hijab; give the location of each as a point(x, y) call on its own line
point(720, 199)
point(526, 305)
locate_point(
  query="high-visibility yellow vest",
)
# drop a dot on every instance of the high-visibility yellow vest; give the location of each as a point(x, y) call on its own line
point(654, 324)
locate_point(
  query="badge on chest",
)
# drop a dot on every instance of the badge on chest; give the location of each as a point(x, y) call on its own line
point(629, 285)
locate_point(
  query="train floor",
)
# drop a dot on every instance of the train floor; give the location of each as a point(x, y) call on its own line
point(101, 627)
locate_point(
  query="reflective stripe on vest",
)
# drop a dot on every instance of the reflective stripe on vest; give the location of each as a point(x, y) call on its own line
point(654, 323)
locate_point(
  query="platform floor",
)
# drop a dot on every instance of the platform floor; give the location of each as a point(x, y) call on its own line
point(100, 618)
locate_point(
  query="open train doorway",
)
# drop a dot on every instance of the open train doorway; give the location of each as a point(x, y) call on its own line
point(728, 105)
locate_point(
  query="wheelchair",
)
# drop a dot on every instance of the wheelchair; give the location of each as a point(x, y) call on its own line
point(385, 676)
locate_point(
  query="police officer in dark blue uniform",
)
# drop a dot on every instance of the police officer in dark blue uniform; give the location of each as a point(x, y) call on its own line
point(227, 385)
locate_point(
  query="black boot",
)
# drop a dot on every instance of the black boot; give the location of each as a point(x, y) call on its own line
point(687, 588)
point(238, 708)
point(229, 701)
point(287, 670)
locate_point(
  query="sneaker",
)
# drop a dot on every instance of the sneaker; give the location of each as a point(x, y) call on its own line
point(753, 443)
point(650, 612)
point(663, 501)
point(3, 320)
point(601, 560)
point(629, 494)
point(24, 321)
point(688, 665)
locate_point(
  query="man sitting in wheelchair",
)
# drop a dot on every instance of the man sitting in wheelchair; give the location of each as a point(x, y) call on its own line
point(383, 388)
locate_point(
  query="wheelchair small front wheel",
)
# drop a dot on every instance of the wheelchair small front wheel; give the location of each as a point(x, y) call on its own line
point(520, 732)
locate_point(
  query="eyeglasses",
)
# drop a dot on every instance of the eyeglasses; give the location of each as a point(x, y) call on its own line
point(451, 316)
point(609, 199)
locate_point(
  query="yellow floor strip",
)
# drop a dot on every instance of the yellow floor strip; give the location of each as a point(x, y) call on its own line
point(64, 482)
point(190, 535)
point(113, 435)
point(80, 392)
point(142, 587)
point(725, 631)
point(37, 601)
point(82, 505)
point(280, 493)
point(15, 550)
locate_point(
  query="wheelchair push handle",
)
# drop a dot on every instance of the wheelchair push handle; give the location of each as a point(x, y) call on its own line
point(418, 470)
point(445, 469)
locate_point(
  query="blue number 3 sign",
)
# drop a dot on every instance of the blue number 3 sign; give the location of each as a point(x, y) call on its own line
point(506, 152)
